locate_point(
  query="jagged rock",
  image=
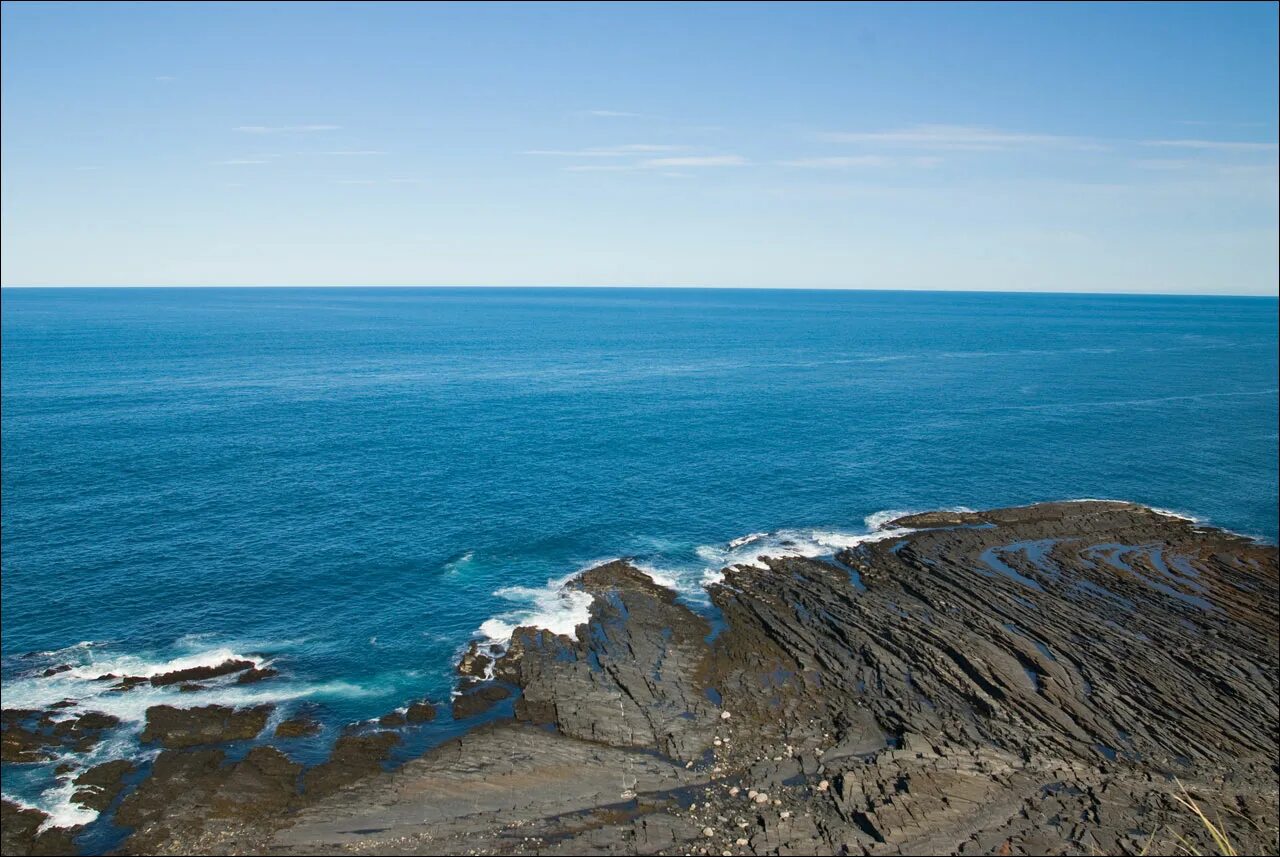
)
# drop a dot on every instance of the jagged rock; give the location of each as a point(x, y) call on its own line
point(27, 742)
point(227, 667)
point(255, 674)
point(474, 663)
point(632, 677)
point(1013, 681)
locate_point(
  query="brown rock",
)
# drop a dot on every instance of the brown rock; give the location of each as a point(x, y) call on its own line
point(298, 727)
point(210, 724)
point(227, 667)
point(100, 784)
point(353, 757)
point(421, 712)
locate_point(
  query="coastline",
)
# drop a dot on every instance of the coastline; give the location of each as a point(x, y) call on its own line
point(881, 664)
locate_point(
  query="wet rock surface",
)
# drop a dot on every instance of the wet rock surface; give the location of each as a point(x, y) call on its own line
point(1040, 680)
point(99, 786)
point(353, 757)
point(34, 736)
point(20, 832)
point(227, 667)
point(210, 724)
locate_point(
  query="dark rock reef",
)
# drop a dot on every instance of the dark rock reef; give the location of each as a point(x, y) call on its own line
point(1042, 680)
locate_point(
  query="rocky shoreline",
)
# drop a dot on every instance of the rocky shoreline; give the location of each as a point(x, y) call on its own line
point(1047, 679)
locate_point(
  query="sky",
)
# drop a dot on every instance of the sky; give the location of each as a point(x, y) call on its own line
point(1039, 147)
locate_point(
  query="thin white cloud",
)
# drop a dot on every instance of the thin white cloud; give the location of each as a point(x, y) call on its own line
point(1163, 163)
point(1213, 145)
point(607, 151)
point(601, 168)
point(956, 137)
point(696, 161)
point(284, 129)
point(863, 161)
point(355, 152)
point(665, 165)
point(242, 161)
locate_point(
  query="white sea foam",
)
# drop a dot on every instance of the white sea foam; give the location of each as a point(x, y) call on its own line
point(793, 542)
point(557, 607)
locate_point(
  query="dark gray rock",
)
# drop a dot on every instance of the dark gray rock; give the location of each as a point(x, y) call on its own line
point(211, 724)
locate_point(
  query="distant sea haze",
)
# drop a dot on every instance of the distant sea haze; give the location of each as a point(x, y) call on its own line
point(351, 484)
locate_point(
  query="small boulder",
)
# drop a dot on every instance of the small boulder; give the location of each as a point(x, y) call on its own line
point(256, 674)
point(478, 701)
point(420, 712)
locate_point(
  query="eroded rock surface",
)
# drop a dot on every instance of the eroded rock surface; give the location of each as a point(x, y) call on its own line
point(210, 724)
point(1039, 680)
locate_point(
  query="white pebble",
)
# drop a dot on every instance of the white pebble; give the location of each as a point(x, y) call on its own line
point(724, 715)
point(707, 831)
point(762, 798)
point(823, 786)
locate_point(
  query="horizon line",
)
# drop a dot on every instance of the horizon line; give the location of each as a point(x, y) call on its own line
point(75, 286)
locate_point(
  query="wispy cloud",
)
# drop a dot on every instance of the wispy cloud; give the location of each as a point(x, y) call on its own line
point(284, 129)
point(1213, 145)
point(863, 161)
point(696, 161)
point(355, 152)
point(1163, 163)
point(956, 137)
point(232, 162)
point(607, 151)
point(391, 181)
point(663, 164)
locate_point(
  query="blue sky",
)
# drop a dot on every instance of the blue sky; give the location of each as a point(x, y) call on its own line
point(1125, 148)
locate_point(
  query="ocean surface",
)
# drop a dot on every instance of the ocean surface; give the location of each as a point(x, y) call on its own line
point(351, 484)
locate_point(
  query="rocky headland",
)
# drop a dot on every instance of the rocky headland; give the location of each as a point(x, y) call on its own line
point(1051, 679)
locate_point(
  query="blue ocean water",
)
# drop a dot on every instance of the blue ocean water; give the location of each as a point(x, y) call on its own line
point(350, 483)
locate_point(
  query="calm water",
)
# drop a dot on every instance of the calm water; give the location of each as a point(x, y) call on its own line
point(353, 482)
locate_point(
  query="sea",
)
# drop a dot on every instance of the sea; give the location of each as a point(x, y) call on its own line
point(351, 484)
